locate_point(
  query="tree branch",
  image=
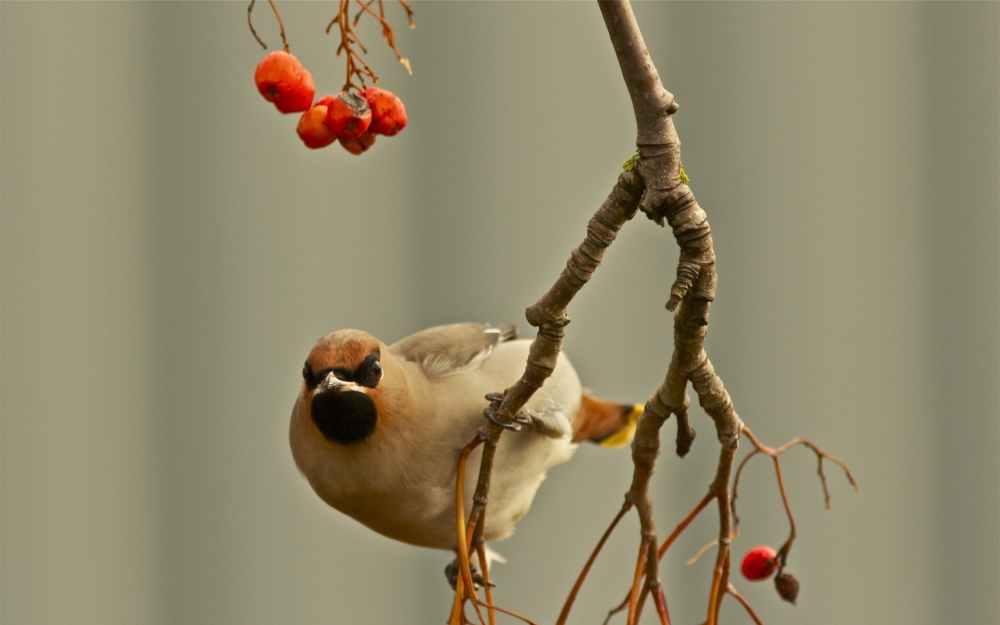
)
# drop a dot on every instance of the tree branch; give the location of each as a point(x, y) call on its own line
point(548, 314)
point(669, 199)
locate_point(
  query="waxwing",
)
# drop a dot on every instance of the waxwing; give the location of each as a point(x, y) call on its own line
point(377, 429)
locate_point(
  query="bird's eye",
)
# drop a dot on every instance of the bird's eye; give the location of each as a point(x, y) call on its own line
point(309, 376)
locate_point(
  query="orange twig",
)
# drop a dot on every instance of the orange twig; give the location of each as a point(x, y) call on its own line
point(389, 35)
point(746, 604)
point(250, 22)
point(707, 499)
point(661, 606)
point(409, 11)
point(713, 606)
point(590, 561)
point(281, 25)
point(481, 550)
point(506, 611)
point(464, 583)
point(683, 524)
point(357, 16)
point(760, 448)
point(355, 63)
point(633, 596)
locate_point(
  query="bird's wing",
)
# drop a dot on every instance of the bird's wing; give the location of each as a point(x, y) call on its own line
point(444, 349)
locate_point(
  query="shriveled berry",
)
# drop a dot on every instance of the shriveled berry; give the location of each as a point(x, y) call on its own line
point(281, 79)
point(313, 130)
point(788, 587)
point(357, 145)
point(388, 112)
point(348, 115)
point(759, 563)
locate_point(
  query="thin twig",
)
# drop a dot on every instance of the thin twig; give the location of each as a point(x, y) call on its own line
point(250, 22)
point(760, 448)
point(633, 597)
point(361, 12)
point(661, 606)
point(707, 499)
point(746, 604)
point(590, 561)
point(506, 611)
point(615, 610)
point(389, 35)
point(481, 551)
point(409, 11)
point(465, 582)
point(281, 24)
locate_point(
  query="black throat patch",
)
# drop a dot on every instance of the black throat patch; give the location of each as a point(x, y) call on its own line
point(344, 417)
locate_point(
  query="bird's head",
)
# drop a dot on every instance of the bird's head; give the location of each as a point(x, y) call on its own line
point(340, 385)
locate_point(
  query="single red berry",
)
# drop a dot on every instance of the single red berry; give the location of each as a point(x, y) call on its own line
point(313, 130)
point(281, 79)
point(348, 115)
point(759, 563)
point(388, 112)
point(357, 145)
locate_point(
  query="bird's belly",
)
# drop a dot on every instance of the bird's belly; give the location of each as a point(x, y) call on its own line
point(389, 516)
point(422, 511)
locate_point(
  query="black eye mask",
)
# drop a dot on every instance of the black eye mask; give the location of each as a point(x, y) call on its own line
point(368, 373)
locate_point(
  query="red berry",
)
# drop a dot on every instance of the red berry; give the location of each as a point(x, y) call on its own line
point(348, 115)
point(326, 101)
point(388, 112)
point(281, 79)
point(357, 145)
point(313, 130)
point(759, 563)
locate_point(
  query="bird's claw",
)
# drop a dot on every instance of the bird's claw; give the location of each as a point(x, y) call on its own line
point(490, 413)
point(451, 573)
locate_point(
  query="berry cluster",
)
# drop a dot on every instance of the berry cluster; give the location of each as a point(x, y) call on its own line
point(352, 118)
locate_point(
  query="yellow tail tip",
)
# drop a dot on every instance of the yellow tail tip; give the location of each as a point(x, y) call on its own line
point(622, 437)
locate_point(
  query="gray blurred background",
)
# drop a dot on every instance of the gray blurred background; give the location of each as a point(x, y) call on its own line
point(170, 252)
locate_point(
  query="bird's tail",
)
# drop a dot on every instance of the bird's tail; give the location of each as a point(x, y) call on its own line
point(606, 423)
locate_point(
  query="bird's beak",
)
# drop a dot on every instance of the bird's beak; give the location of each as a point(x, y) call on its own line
point(331, 384)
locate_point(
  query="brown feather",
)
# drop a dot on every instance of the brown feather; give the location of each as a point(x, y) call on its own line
point(346, 348)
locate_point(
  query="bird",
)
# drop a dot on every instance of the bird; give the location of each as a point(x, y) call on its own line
point(377, 429)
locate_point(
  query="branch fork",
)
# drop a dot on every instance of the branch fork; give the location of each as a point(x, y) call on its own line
point(654, 182)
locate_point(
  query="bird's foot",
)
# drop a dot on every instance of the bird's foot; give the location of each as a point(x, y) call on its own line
point(451, 573)
point(491, 414)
